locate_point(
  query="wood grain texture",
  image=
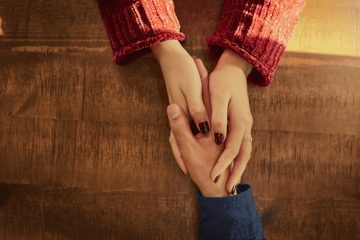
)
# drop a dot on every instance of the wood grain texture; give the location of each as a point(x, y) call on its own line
point(73, 213)
point(44, 85)
point(84, 151)
point(51, 23)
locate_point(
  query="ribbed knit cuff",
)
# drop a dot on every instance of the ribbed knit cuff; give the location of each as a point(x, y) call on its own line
point(134, 26)
point(257, 31)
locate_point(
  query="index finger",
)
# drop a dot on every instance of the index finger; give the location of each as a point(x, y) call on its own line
point(232, 144)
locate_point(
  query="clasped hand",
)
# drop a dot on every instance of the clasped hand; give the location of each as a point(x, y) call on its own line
point(221, 97)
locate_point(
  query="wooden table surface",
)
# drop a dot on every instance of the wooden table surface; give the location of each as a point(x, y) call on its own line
point(84, 151)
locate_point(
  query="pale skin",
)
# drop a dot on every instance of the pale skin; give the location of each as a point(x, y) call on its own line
point(230, 111)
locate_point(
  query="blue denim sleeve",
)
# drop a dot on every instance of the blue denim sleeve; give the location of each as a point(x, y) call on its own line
point(230, 218)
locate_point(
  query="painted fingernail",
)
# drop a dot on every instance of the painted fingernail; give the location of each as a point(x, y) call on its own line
point(233, 190)
point(219, 138)
point(204, 127)
point(193, 127)
point(217, 178)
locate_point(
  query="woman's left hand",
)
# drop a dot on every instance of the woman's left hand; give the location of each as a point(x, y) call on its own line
point(231, 115)
point(183, 85)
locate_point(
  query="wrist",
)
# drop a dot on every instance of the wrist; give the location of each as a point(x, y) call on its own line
point(217, 192)
point(214, 192)
point(230, 59)
point(166, 48)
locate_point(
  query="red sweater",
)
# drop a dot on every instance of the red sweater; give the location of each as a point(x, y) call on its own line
point(256, 30)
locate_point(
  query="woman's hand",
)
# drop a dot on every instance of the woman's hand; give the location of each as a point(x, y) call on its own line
point(200, 153)
point(231, 114)
point(183, 85)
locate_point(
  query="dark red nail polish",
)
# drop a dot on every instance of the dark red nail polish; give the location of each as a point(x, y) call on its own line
point(217, 178)
point(204, 127)
point(193, 127)
point(219, 138)
point(233, 190)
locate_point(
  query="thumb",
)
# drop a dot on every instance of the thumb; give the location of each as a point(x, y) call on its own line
point(180, 127)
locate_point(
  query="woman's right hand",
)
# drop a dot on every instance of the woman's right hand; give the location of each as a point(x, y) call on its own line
point(184, 87)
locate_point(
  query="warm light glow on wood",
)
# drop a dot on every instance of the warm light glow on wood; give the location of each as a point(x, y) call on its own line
point(328, 27)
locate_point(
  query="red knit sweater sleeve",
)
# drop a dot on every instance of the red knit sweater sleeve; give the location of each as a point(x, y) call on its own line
point(133, 26)
point(258, 31)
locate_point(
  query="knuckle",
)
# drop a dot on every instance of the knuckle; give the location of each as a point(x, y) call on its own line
point(218, 93)
point(195, 109)
point(215, 89)
point(178, 129)
point(243, 121)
